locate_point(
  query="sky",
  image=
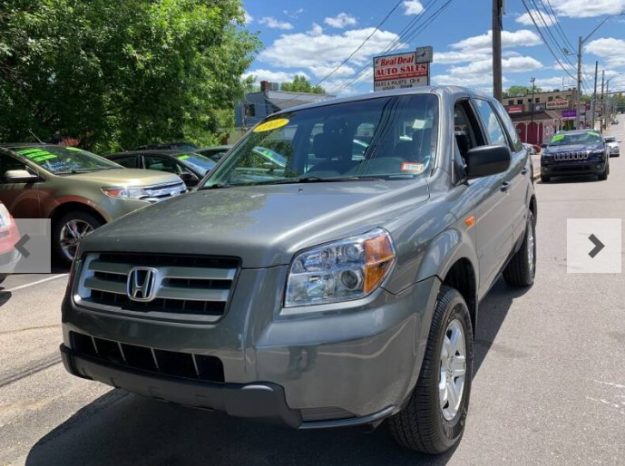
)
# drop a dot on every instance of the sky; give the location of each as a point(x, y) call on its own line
point(313, 38)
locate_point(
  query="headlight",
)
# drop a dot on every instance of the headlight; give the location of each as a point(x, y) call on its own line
point(597, 153)
point(340, 271)
point(119, 192)
point(5, 216)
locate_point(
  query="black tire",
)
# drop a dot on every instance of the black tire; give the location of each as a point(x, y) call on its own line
point(3, 277)
point(604, 176)
point(518, 271)
point(57, 226)
point(421, 425)
point(544, 179)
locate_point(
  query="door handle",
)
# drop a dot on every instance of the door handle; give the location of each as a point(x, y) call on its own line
point(504, 186)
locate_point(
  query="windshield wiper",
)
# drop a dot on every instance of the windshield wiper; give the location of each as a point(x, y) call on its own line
point(216, 186)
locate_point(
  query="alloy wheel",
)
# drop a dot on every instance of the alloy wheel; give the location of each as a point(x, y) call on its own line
point(453, 367)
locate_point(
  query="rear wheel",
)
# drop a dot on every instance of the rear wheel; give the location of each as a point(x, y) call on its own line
point(522, 267)
point(545, 179)
point(434, 417)
point(68, 230)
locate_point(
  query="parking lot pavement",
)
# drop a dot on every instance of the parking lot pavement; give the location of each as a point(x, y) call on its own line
point(549, 383)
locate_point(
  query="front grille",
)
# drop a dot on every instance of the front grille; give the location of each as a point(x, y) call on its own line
point(579, 155)
point(183, 285)
point(169, 363)
point(164, 191)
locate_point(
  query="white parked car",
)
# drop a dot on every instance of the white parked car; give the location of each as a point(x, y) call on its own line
point(613, 146)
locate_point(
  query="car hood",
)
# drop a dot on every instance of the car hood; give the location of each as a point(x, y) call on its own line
point(262, 225)
point(127, 177)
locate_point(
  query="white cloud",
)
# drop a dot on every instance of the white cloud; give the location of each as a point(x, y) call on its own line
point(542, 19)
point(412, 7)
point(341, 21)
point(588, 9)
point(274, 23)
point(247, 17)
point(314, 49)
point(555, 82)
point(478, 48)
point(315, 30)
point(293, 14)
point(323, 70)
point(609, 49)
point(274, 76)
point(520, 38)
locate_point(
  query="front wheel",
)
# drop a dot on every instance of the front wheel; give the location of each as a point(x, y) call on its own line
point(67, 232)
point(521, 269)
point(434, 417)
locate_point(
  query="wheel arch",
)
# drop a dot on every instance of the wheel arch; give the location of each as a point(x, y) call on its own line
point(73, 206)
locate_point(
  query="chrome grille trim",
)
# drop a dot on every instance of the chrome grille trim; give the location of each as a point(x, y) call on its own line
point(579, 155)
point(195, 289)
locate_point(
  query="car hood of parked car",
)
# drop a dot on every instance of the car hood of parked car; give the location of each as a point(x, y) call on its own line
point(127, 177)
point(263, 225)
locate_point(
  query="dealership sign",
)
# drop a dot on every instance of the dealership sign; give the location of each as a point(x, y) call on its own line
point(401, 70)
point(512, 109)
point(558, 103)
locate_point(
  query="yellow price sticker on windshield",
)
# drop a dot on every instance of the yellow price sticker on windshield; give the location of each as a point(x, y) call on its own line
point(271, 125)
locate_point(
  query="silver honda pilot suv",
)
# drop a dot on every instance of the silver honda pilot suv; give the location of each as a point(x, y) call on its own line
point(328, 272)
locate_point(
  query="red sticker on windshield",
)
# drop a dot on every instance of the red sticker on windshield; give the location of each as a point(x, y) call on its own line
point(412, 167)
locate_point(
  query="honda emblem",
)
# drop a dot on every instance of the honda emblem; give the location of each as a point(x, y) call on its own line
point(142, 284)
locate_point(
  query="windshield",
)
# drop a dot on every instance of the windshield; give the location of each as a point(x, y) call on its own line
point(196, 162)
point(567, 139)
point(388, 137)
point(66, 160)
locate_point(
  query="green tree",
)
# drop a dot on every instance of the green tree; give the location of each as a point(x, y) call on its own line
point(301, 84)
point(514, 91)
point(118, 73)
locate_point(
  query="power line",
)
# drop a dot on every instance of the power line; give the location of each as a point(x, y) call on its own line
point(529, 12)
point(417, 29)
point(357, 49)
point(549, 8)
point(554, 40)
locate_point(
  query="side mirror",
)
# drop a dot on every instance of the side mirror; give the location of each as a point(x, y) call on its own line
point(487, 160)
point(190, 179)
point(20, 176)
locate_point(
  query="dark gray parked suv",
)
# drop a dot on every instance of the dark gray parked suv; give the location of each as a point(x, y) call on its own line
point(314, 280)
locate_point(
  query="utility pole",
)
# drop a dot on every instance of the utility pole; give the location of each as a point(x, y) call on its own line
point(497, 26)
point(594, 96)
point(578, 93)
point(608, 110)
point(602, 106)
point(532, 107)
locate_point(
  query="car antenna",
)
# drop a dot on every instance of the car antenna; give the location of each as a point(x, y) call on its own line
point(35, 136)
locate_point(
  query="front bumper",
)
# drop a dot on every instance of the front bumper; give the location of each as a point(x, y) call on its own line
point(353, 364)
point(577, 167)
point(261, 400)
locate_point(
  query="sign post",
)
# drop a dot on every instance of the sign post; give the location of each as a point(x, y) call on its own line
point(402, 70)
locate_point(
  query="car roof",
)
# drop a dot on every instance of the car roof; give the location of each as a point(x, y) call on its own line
point(17, 145)
point(222, 147)
point(451, 91)
point(169, 152)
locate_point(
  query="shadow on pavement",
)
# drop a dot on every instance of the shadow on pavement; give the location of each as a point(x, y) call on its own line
point(492, 312)
point(572, 179)
point(121, 428)
point(127, 429)
point(5, 296)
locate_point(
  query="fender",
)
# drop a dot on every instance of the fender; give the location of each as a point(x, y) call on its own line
point(444, 251)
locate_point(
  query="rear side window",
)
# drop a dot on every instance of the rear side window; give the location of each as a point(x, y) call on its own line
point(490, 122)
point(517, 145)
point(128, 162)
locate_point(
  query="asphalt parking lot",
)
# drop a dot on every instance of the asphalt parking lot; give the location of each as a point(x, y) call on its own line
point(549, 384)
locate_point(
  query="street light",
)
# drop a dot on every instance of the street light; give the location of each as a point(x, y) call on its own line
point(580, 46)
